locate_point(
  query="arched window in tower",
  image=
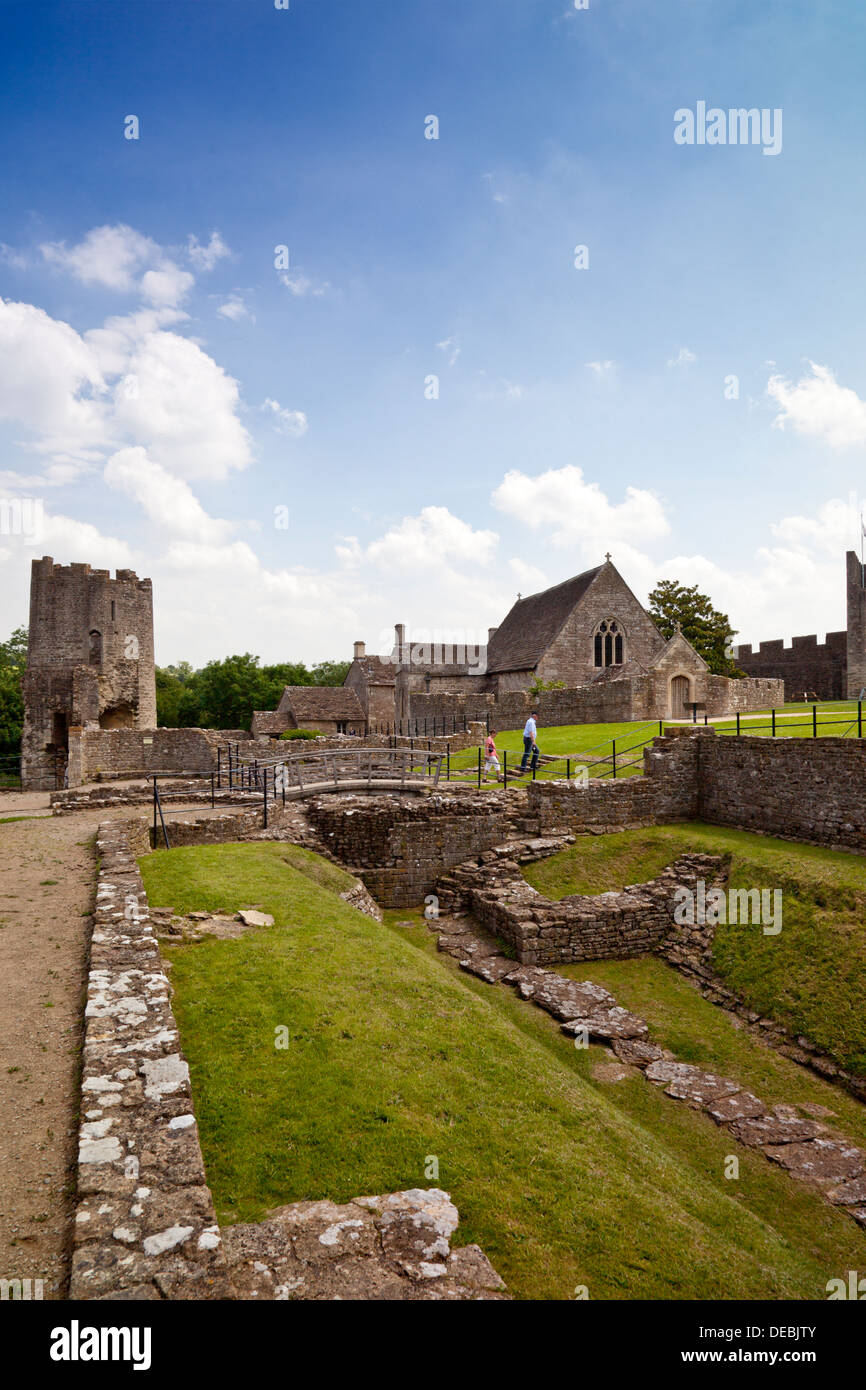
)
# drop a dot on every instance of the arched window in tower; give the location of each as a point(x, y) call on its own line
point(96, 648)
point(608, 645)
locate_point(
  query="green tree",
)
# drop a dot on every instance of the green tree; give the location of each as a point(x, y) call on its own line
point(229, 691)
point(330, 672)
point(172, 697)
point(708, 630)
point(13, 659)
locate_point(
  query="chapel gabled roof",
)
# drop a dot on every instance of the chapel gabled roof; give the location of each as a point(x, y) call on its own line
point(521, 640)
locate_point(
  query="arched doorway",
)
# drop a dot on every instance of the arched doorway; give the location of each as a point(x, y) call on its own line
point(680, 693)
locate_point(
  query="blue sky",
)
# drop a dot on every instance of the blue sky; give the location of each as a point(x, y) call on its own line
point(164, 387)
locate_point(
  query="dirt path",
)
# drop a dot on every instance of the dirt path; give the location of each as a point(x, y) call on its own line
point(47, 870)
point(47, 885)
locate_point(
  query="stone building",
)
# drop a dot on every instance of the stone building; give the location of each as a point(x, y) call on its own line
point(591, 634)
point(326, 708)
point(834, 669)
point(89, 662)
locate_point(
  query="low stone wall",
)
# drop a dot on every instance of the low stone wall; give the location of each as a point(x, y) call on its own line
point(800, 789)
point(610, 926)
point(400, 847)
point(193, 792)
point(145, 1226)
point(103, 754)
point(804, 789)
point(212, 830)
point(668, 791)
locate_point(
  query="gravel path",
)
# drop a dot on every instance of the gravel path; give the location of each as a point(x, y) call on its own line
point(47, 869)
point(47, 877)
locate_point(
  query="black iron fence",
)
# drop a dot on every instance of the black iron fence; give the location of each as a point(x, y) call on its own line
point(10, 770)
point(783, 723)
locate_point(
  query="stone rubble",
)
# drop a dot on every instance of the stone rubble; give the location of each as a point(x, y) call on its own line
point(385, 1248)
point(804, 1147)
point(145, 1224)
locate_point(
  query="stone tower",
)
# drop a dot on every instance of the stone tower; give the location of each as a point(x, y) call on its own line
point(856, 593)
point(89, 662)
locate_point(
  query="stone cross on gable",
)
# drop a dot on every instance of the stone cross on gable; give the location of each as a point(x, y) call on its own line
point(607, 556)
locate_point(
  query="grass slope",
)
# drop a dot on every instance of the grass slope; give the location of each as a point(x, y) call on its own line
point(395, 1057)
point(812, 976)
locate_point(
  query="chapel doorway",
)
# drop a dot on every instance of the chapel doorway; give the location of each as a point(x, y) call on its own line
point(679, 696)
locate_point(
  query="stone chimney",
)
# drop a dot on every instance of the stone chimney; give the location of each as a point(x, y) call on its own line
point(360, 650)
point(399, 641)
point(491, 631)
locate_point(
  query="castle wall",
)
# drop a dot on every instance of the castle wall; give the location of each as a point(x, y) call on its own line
point(807, 665)
point(90, 661)
point(856, 643)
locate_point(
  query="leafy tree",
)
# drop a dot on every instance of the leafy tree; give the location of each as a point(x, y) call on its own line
point(223, 694)
point(538, 685)
point(13, 659)
point(330, 672)
point(708, 630)
point(177, 705)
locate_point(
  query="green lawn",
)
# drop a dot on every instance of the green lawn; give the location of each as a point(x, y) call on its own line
point(574, 741)
point(394, 1056)
point(836, 719)
point(811, 976)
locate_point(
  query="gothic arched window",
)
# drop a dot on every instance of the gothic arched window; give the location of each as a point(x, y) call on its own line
point(608, 649)
point(96, 648)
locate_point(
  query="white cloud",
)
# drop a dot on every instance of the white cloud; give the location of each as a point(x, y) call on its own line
point(601, 368)
point(166, 500)
point(167, 285)
point(50, 381)
point(108, 256)
point(16, 259)
point(434, 537)
point(129, 382)
point(571, 510)
point(178, 403)
point(301, 285)
point(292, 422)
point(234, 308)
point(819, 406)
point(451, 348)
point(684, 358)
point(206, 257)
point(530, 578)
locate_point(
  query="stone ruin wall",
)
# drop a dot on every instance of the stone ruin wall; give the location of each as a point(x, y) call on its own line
point(105, 754)
point(803, 789)
point(609, 926)
point(798, 788)
point(399, 848)
point(90, 660)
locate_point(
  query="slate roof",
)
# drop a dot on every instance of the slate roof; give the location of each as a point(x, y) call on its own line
point(322, 702)
point(267, 722)
point(530, 627)
point(375, 670)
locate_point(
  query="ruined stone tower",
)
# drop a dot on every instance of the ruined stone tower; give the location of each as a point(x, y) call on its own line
point(856, 664)
point(89, 662)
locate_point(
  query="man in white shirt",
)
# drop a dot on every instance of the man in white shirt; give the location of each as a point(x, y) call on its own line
point(529, 745)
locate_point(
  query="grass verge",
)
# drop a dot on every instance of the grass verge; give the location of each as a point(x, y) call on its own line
point(811, 977)
point(395, 1059)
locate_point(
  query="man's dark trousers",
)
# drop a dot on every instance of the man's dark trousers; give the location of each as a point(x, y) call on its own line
point(528, 747)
